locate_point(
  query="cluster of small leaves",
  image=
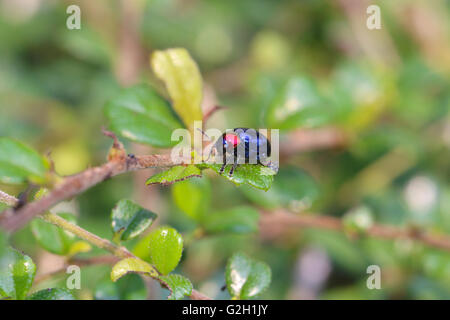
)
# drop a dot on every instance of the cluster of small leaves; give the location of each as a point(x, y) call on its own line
point(20, 164)
point(139, 107)
point(163, 246)
point(140, 114)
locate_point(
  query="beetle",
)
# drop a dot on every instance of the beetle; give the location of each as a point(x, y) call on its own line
point(242, 145)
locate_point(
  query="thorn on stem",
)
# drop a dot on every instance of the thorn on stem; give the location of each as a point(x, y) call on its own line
point(117, 152)
point(116, 144)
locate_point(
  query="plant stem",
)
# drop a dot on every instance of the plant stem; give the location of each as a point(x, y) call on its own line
point(120, 252)
point(107, 245)
point(118, 163)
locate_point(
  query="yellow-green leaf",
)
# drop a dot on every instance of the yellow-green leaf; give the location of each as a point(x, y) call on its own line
point(183, 81)
point(128, 265)
point(79, 247)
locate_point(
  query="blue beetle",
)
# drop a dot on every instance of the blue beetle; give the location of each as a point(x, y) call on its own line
point(242, 145)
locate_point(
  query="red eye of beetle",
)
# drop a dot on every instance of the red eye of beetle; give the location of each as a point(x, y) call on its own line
point(232, 139)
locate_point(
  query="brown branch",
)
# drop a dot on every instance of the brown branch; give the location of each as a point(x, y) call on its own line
point(275, 223)
point(12, 220)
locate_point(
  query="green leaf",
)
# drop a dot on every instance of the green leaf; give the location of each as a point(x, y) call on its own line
point(178, 285)
point(129, 287)
point(174, 174)
point(235, 220)
point(17, 272)
point(183, 81)
point(19, 163)
point(52, 238)
point(192, 197)
point(255, 175)
point(141, 249)
point(140, 114)
point(128, 265)
point(52, 294)
point(245, 277)
point(298, 104)
point(130, 220)
point(166, 246)
point(293, 187)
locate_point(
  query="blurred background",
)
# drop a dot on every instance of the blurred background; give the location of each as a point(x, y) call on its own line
point(364, 117)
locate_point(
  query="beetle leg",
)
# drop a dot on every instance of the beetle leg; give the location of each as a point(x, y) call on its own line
point(222, 168)
point(210, 152)
point(232, 169)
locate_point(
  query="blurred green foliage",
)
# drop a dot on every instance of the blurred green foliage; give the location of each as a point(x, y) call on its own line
point(292, 65)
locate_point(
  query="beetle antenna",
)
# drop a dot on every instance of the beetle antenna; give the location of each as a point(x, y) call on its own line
point(203, 133)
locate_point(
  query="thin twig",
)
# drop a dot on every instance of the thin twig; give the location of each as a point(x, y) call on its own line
point(279, 221)
point(107, 245)
point(11, 220)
